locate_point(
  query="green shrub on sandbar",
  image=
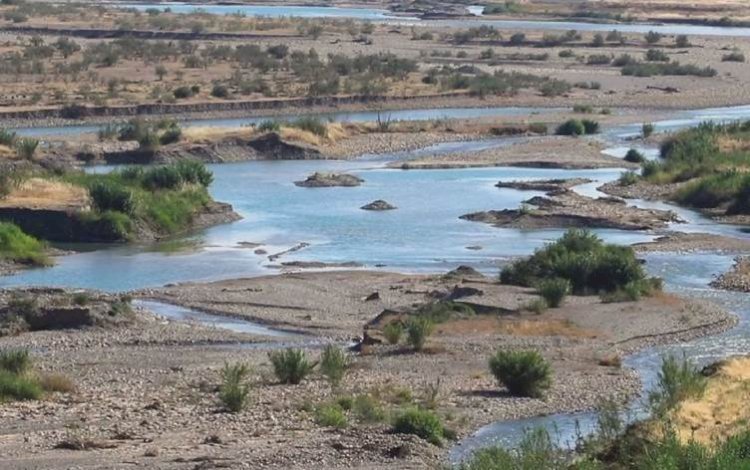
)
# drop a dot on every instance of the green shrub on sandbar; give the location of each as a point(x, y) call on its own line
point(580, 257)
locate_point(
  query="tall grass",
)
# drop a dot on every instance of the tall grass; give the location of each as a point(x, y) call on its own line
point(290, 366)
point(17, 246)
point(234, 390)
point(678, 380)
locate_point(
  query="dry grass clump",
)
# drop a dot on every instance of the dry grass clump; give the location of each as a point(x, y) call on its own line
point(44, 193)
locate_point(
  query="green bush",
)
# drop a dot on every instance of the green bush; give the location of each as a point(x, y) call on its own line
point(393, 332)
point(538, 306)
point(108, 196)
point(418, 329)
point(628, 178)
point(422, 423)
point(18, 387)
point(170, 136)
point(583, 259)
point(15, 361)
point(367, 409)
point(633, 291)
point(333, 364)
point(553, 291)
point(523, 373)
point(220, 91)
point(7, 138)
point(234, 391)
point(571, 127)
point(269, 126)
point(331, 415)
point(590, 126)
point(195, 172)
point(634, 156)
point(17, 246)
point(656, 55)
point(26, 148)
point(162, 177)
point(290, 365)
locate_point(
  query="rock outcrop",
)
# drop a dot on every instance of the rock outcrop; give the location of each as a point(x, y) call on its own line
point(327, 180)
point(378, 205)
point(570, 210)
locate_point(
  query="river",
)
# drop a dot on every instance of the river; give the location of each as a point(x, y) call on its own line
point(423, 235)
point(390, 17)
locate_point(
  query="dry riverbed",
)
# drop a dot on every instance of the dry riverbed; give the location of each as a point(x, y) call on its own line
point(146, 390)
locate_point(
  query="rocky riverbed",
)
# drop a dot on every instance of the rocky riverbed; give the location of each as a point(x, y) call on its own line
point(146, 391)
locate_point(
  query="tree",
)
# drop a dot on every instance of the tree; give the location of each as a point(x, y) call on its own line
point(160, 71)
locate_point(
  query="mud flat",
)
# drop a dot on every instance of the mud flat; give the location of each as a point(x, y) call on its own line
point(568, 209)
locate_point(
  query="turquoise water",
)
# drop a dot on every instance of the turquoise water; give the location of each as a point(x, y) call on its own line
point(424, 234)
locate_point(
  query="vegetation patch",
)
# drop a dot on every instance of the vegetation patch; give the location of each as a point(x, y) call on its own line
point(582, 259)
point(523, 373)
point(18, 247)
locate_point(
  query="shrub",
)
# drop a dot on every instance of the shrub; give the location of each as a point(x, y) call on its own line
point(195, 172)
point(220, 91)
point(652, 37)
point(109, 196)
point(422, 423)
point(656, 55)
point(18, 387)
point(269, 126)
point(81, 298)
point(634, 156)
point(599, 59)
point(331, 415)
point(149, 141)
point(554, 291)
point(565, 53)
point(393, 332)
point(571, 127)
point(311, 124)
point(583, 108)
point(170, 136)
point(367, 409)
point(632, 291)
point(628, 178)
point(15, 361)
point(7, 138)
point(581, 258)
point(733, 57)
point(677, 380)
point(623, 60)
point(647, 129)
point(333, 364)
point(162, 177)
point(17, 246)
point(523, 373)
point(516, 39)
point(589, 126)
point(681, 41)
point(418, 329)
point(234, 391)
point(290, 365)
point(108, 132)
point(538, 306)
point(26, 148)
point(183, 92)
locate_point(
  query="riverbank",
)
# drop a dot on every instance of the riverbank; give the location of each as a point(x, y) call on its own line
point(147, 390)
